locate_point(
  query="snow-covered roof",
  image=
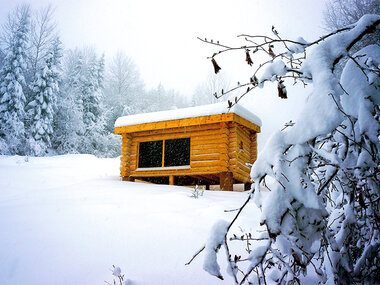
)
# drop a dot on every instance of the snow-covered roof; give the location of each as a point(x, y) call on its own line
point(185, 113)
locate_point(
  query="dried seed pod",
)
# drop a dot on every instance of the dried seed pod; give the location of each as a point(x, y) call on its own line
point(271, 53)
point(215, 65)
point(254, 80)
point(274, 31)
point(282, 93)
point(248, 58)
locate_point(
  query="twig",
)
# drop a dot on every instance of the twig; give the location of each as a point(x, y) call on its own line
point(195, 255)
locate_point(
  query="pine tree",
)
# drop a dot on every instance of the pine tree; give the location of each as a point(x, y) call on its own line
point(68, 120)
point(13, 85)
point(92, 96)
point(41, 108)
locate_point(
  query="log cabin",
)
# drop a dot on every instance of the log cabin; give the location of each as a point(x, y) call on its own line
point(206, 145)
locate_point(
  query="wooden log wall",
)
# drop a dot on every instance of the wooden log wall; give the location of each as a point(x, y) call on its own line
point(208, 153)
point(241, 151)
point(214, 148)
point(125, 156)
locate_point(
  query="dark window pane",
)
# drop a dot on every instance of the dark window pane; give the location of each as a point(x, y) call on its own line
point(150, 154)
point(177, 152)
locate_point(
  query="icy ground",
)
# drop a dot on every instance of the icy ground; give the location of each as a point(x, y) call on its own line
point(68, 219)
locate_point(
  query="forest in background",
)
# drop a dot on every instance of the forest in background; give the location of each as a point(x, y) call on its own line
point(55, 100)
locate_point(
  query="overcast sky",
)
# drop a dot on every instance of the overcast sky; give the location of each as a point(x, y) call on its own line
point(160, 36)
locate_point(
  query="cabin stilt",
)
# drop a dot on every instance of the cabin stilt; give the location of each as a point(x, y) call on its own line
point(171, 180)
point(128, 178)
point(226, 181)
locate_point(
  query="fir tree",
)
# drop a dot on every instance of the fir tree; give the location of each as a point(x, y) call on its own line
point(13, 85)
point(41, 108)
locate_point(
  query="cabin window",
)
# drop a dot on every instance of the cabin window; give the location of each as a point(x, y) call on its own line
point(177, 152)
point(164, 153)
point(150, 154)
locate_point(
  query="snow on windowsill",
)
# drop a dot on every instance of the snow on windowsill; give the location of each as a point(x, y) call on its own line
point(164, 168)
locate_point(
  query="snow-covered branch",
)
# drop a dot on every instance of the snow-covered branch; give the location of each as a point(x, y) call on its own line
point(322, 170)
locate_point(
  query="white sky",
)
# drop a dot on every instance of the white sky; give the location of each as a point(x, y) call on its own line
point(160, 36)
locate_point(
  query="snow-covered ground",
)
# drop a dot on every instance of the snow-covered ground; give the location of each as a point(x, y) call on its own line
point(68, 219)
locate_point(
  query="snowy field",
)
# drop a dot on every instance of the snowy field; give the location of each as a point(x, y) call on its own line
point(68, 219)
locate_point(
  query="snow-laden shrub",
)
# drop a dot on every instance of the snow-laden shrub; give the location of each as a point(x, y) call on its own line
point(321, 214)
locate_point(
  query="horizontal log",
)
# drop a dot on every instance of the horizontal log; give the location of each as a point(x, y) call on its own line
point(243, 130)
point(246, 123)
point(241, 178)
point(176, 123)
point(212, 147)
point(203, 151)
point(192, 135)
point(244, 156)
point(160, 137)
point(188, 129)
point(245, 139)
point(178, 172)
point(243, 167)
point(233, 154)
point(217, 137)
point(124, 158)
point(246, 143)
point(202, 157)
point(206, 163)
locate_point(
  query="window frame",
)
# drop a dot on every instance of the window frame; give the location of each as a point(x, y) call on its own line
point(163, 155)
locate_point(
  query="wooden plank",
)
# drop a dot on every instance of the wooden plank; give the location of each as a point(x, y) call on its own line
point(188, 130)
point(125, 152)
point(206, 163)
point(244, 156)
point(253, 148)
point(241, 178)
point(217, 137)
point(160, 137)
point(212, 147)
point(243, 167)
point(215, 156)
point(203, 151)
point(177, 172)
point(245, 139)
point(246, 123)
point(176, 123)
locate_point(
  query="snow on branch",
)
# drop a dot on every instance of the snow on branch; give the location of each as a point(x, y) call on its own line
point(321, 213)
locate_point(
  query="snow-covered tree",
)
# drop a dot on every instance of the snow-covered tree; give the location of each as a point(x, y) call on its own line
point(340, 13)
point(43, 33)
point(205, 92)
point(79, 123)
point(320, 216)
point(123, 90)
point(12, 81)
point(42, 106)
point(68, 120)
point(92, 97)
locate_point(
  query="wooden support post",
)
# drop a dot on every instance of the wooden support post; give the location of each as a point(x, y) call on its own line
point(226, 181)
point(247, 186)
point(171, 180)
point(128, 178)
